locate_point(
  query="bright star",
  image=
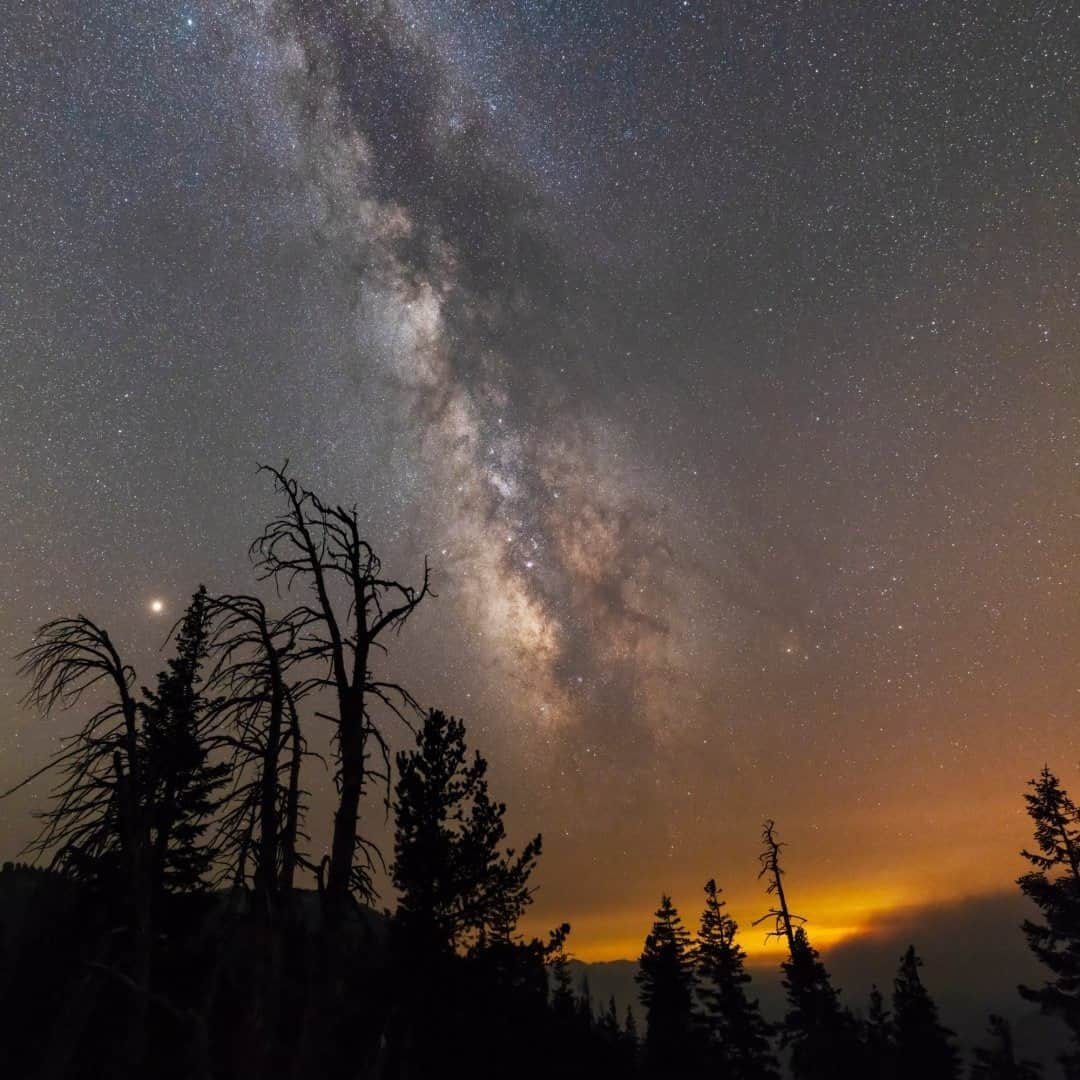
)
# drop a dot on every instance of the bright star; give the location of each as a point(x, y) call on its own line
point(157, 606)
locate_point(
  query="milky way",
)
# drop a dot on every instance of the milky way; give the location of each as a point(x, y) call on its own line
point(723, 359)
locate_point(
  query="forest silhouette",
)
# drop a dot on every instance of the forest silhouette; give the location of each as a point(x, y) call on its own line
point(164, 930)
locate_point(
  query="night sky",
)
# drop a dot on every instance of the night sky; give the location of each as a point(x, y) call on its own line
point(724, 358)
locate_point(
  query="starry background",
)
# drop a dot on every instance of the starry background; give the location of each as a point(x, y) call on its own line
point(724, 358)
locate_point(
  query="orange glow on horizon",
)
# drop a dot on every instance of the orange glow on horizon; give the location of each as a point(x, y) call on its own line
point(844, 917)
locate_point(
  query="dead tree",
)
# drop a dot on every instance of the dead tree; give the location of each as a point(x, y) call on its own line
point(256, 690)
point(98, 806)
point(351, 607)
point(782, 918)
point(256, 710)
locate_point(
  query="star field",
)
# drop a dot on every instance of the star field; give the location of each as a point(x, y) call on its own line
point(723, 358)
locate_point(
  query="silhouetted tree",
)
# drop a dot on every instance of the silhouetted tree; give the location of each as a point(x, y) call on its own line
point(183, 786)
point(666, 980)
point(822, 1035)
point(257, 708)
point(351, 608)
point(924, 1048)
point(569, 1044)
point(98, 823)
point(1054, 886)
point(562, 994)
point(459, 889)
point(461, 894)
point(258, 690)
point(736, 1033)
point(998, 1060)
point(880, 1043)
point(783, 920)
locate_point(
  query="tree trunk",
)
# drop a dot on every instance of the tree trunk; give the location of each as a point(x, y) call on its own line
point(292, 805)
point(352, 731)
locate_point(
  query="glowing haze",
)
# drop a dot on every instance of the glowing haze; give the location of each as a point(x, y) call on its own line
point(722, 358)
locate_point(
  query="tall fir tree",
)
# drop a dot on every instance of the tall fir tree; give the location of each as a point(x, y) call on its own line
point(667, 983)
point(822, 1035)
point(924, 1047)
point(879, 1039)
point(1054, 886)
point(183, 785)
point(737, 1036)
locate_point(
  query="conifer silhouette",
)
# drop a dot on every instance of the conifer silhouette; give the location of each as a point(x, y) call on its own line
point(562, 994)
point(458, 887)
point(880, 1040)
point(183, 786)
point(737, 1035)
point(821, 1033)
point(667, 983)
point(822, 1036)
point(1054, 886)
point(924, 1048)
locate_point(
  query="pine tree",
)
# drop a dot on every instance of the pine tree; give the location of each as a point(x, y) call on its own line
point(666, 980)
point(1054, 886)
point(737, 1035)
point(880, 1045)
point(924, 1048)
point(998, 1061)
point(822, 1035)
point(458, 888)
point(182, 784)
